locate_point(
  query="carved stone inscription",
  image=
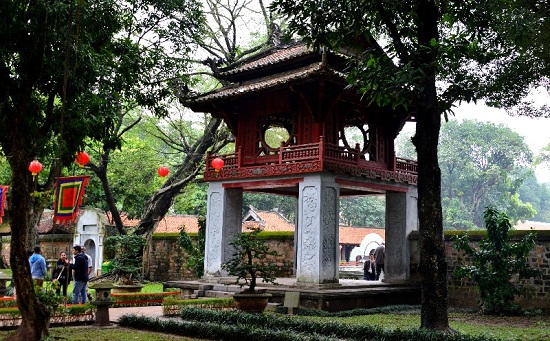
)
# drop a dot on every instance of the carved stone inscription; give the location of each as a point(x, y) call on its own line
point(214, 231)
point(310, 247)
point(329, 235)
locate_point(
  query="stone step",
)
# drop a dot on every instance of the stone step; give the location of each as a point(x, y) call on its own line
point(217, 294)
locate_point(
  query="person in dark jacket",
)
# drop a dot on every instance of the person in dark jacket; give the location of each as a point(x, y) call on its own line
point(369, 268)
point(80, 274)
point(62, 274)
point(379, 255)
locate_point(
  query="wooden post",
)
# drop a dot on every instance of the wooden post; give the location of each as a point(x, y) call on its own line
point(321, 148)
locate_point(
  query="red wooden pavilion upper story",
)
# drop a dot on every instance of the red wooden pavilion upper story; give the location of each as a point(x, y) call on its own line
point(301, 96)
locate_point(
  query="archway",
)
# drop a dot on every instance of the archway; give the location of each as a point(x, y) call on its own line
point(91, 251)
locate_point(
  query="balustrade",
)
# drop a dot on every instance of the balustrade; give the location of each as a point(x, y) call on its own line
point(308, 153)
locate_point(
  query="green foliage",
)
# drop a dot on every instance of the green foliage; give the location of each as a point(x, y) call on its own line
point(250, 260)
point(330, 328)
point(171, 306)
point(538, 195)
point(48, 297)
point(216, 331)
point(363, 211)
point(267, 202)
point(496, 262)
point(193, 201)
point(481, 163)
point(141, 299)
point(195, 248)
point(128, 260)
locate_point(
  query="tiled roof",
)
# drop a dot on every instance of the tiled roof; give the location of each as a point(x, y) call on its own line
point(256, 85)
point(532, 225)
point(354, 235)
point(268, 57)
point(168, 224)
point(46, 224)
point(270, 221)
point(266, 220)
point(174, 223)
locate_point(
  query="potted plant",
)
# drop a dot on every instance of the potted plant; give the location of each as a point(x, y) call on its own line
point(250, 261)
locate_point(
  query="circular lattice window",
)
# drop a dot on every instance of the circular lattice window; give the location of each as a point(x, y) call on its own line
point(275, 132)
point(361, 135)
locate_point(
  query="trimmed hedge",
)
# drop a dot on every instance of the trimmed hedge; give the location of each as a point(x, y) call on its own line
point(73, 313)
point(214, 331)
point(328, 328)
point(172, 306)
point(141, 299)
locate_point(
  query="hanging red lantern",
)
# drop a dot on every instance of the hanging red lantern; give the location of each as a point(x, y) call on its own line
point(82, 158)
point(163, 171)
point(217, 164)
point(35, 167)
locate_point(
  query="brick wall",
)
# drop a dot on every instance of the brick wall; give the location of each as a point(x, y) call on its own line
point(463, 293)
point(51, 246)
point(167, 260)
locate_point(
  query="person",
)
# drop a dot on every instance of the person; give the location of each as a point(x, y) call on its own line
point(90, 262)
point(62, 274)
point(80, 274)
point(38, 266)
point(90, 269)
point(369, 268)
point(379, 255)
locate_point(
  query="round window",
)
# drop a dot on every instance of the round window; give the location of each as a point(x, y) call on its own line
point(274, 135)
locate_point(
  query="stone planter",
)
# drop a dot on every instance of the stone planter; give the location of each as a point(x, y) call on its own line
point(122, 288)
point(251, 303)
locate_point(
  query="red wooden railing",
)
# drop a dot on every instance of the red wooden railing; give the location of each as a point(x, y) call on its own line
point(309, 152)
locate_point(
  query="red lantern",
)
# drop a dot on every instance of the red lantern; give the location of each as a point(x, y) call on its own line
point(163, 171)
point(217, 164)
point(82, 158)
point(35, 167)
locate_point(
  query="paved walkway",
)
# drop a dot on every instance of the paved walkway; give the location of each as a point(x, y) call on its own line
point(152, 311)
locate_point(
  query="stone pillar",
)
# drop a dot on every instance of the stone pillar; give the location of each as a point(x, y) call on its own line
point(223, 223)
point(401, 220)
point(317, 249)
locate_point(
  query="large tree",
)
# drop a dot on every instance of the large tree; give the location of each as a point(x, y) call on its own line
point(482, 164)
point(52, 54)
point(223, 43)
point(424, 56)
point(160, 35)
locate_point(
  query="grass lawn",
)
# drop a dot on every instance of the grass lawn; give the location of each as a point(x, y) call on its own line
point(516, 328)
point(104, 334)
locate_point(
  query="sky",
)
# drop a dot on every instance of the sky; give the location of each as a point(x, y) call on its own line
point(536, 131)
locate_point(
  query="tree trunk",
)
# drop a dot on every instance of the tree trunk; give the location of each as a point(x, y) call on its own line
point(433, 264)
point(159, 204)
point(34, 316)
point(101, 173)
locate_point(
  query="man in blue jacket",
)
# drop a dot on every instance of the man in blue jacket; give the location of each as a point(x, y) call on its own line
point(80, 267)
point(38, 266)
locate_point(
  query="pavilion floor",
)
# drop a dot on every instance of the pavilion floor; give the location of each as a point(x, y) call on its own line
point(347, 294)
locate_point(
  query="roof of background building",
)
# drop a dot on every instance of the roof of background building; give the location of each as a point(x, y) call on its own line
point(354, 235)
point(266, 220)
point(532, 225)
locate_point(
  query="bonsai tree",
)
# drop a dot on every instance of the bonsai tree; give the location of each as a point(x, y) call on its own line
point(497, 260)
point(251, 260)
point(128, 259)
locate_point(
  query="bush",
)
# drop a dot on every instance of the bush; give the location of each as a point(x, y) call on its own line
point(496, 262)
